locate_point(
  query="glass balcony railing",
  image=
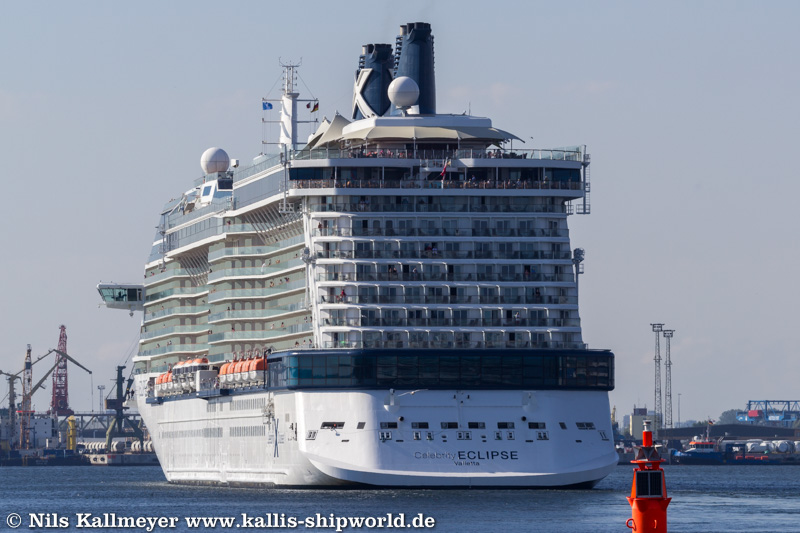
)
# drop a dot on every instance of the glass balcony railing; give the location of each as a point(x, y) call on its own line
point(196, 329)
point(476, 185)
point(253, 250)
point(181, 310)
point(422, 276)
point(353, 345)
point(452, 323)
point(232, 336)
point(348, 207)
point(436, 158)
point(450, 300)
point(175, 349)
point(255, 293)
point(156, 277)
point(178, 291)
point(266, 270)
point(255, 314)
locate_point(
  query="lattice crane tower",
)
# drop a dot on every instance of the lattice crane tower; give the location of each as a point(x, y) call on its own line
point(25, 412)
point(60, 402)
point(668, 333)
point(657, 329)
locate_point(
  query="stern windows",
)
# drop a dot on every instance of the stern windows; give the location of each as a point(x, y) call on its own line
point(536, 425)
point(476, 425)
point(585, 425)
point(419, 425)
point(505, 425)
point(332, 425)
point(563, 425)
point(449, 425)
point(388, 425)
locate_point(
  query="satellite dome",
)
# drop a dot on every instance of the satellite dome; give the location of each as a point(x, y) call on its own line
point(403, 92)
point(214, 160)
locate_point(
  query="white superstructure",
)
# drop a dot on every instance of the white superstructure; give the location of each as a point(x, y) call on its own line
point(395, 304)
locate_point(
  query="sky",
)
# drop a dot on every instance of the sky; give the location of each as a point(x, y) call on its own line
point(689, 111)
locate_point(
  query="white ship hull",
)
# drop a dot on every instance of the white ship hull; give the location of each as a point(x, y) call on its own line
point(262, 438)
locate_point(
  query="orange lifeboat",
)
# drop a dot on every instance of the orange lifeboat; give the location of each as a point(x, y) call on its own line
point(224, 372)
point(257, 368)
point(237, 370)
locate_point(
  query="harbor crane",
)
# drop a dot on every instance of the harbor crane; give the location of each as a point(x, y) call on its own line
point(28, 390)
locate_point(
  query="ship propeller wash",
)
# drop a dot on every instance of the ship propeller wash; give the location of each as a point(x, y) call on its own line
point(392, 304)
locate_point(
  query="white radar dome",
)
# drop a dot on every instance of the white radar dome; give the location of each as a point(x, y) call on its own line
point(214, 160)
point(403, 92)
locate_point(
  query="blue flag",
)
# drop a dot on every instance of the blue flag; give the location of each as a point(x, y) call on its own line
point(266, 106)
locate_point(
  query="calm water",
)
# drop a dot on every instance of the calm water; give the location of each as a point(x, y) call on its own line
point(705, 499)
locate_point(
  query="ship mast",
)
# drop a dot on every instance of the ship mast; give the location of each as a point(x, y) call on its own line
point(287, 140)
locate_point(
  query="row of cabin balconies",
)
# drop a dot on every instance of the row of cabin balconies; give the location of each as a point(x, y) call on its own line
point(445, 299)
point(264, 271)
point(575, 187)
point(257, 251)
point(437, 157)
point(264, 335)
point(514, 344)
point(256, 314)
point(452, 322)
point(421, 253)
point(256, 293)
point(423, 276)
point(445, 232)
point(355, 207)
point(181, 310)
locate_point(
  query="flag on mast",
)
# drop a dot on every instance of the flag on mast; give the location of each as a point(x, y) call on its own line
point(315, 108)
point(266, 106)
point(444, 170)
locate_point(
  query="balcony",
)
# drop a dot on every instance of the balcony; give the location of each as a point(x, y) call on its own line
point(257, 314)
point(196, 329)
point(257, 251)
point(451, 300)
point(233, 294)
point(176, 349)
point(177, 311)
point(258, 336)
point(255, 272)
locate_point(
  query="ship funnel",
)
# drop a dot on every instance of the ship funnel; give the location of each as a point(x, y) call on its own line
point(374, 74)
point(414, 58)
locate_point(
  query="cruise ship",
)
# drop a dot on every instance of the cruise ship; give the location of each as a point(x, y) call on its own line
point(392, 302)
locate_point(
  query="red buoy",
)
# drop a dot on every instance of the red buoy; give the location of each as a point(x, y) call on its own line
point(648, 497)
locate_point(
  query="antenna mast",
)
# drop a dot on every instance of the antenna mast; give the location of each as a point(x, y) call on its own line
point(668, 333)
point(657, 329)
point(288, 100)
